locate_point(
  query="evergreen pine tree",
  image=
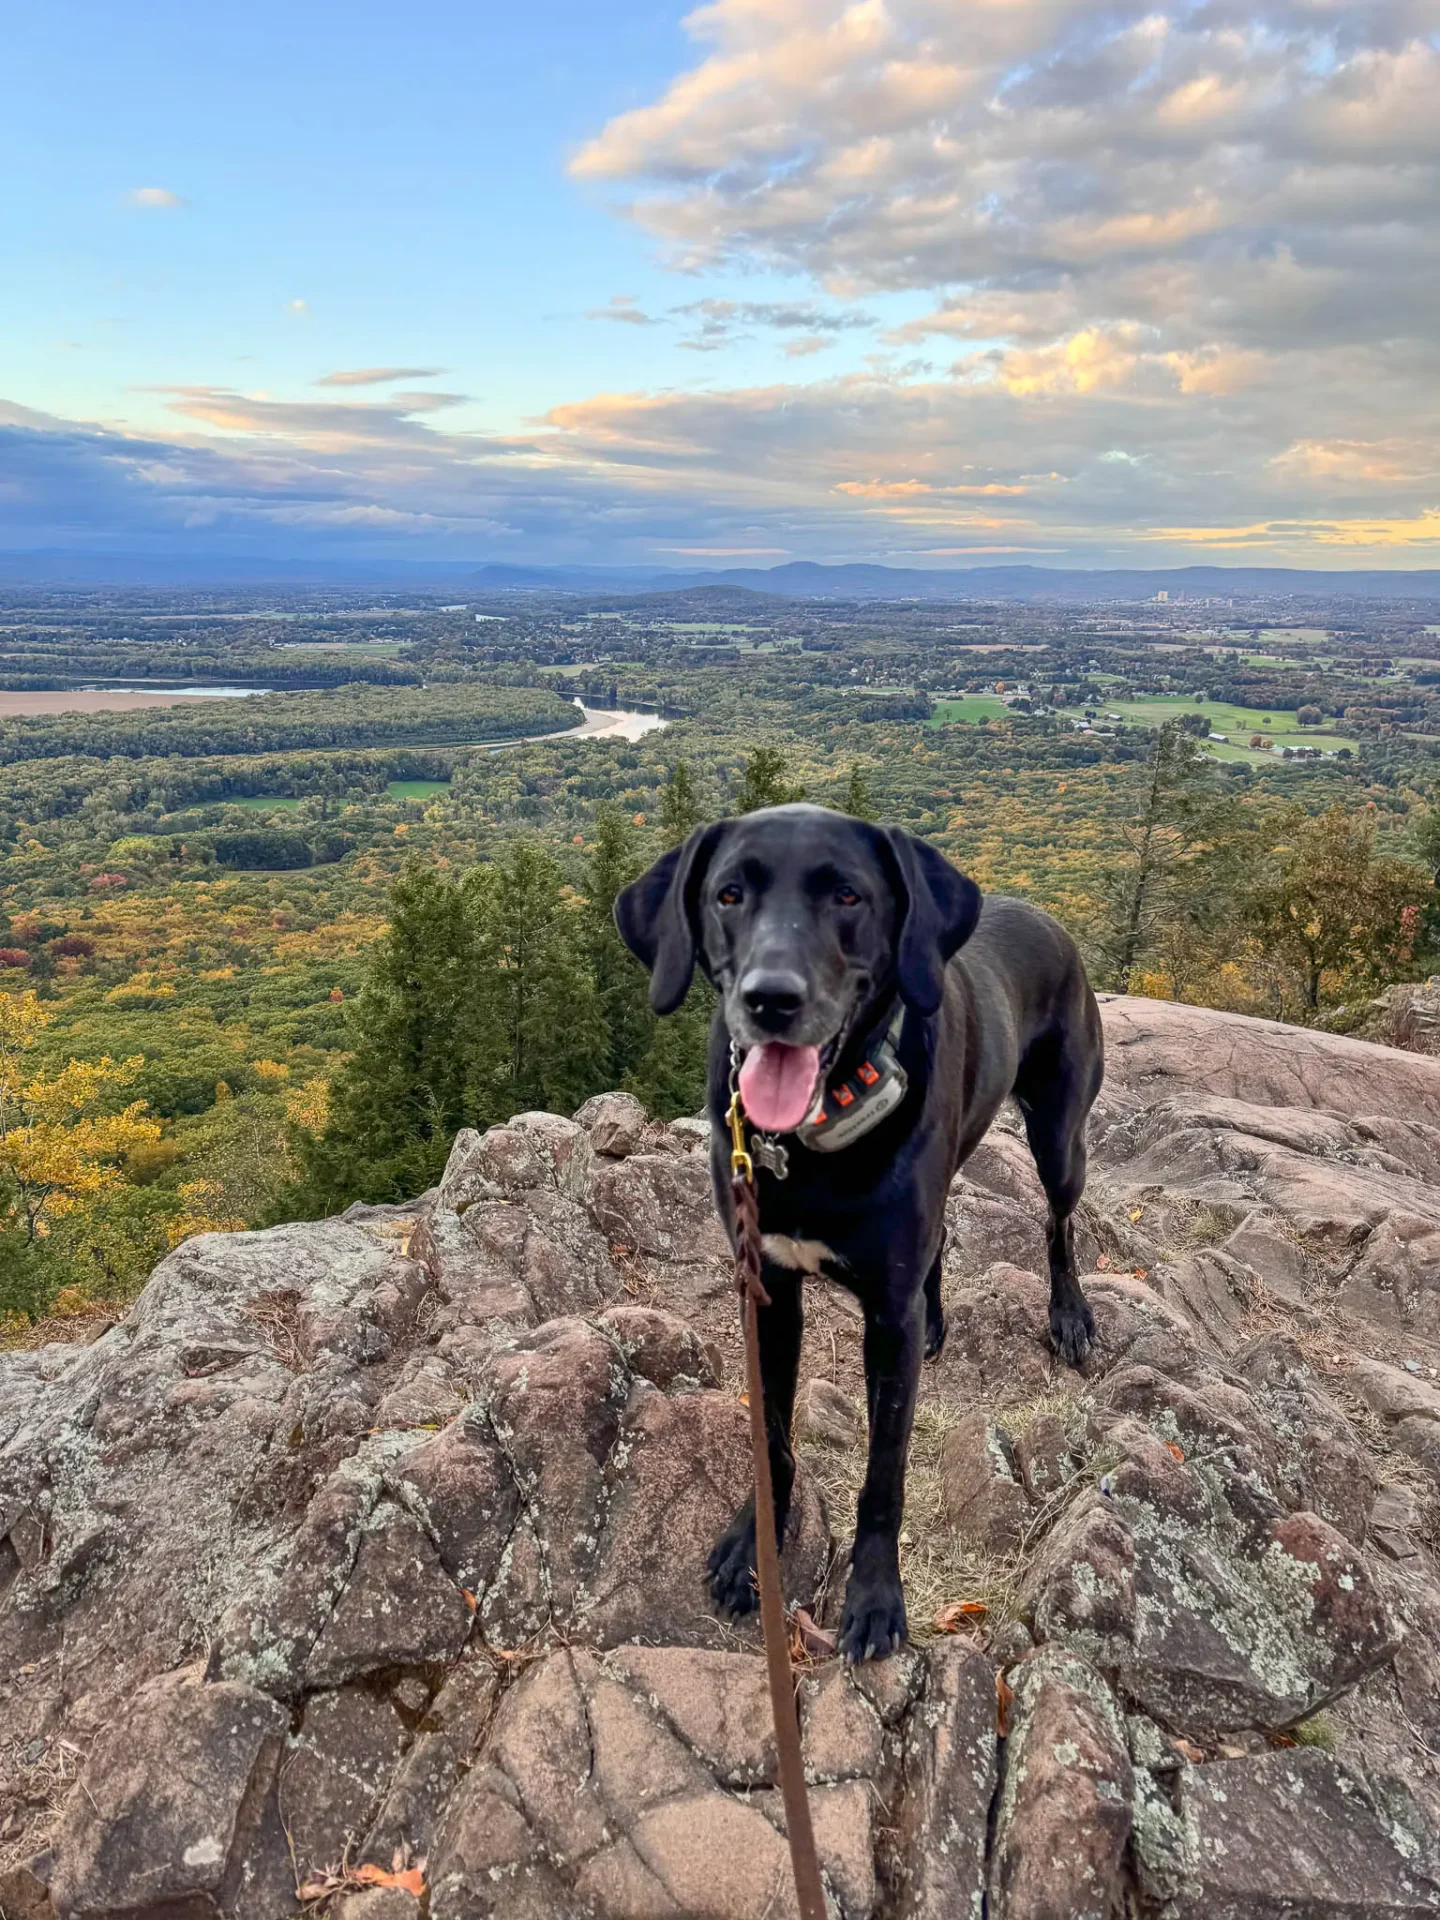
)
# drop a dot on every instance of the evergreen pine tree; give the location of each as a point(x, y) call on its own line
point(543, 1033)
point(669, 1080)
point(858, 801)
point(402, 1094)
point(680, 809)
point(621, 983)
point(763, 783)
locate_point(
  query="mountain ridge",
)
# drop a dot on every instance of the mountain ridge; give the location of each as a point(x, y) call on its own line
point(793, 579)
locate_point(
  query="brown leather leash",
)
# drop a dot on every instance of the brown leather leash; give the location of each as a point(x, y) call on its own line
point(805, 1866)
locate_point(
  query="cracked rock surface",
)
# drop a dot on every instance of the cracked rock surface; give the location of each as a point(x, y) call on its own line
point(375, 1547)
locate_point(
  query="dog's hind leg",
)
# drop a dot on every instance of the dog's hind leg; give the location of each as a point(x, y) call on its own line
point(730, 1569)
point(935, 1328)
point(1055, 1089)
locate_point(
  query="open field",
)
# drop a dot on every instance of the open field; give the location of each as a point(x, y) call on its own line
point(1223, 717)
point(707, 626)
point(17, 704)
point(970, 707)
point(1326, 742)
point(416, 789)
point(368, 650)
point(1238, 724)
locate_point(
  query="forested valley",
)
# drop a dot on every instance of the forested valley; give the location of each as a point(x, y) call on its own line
point(261, 956)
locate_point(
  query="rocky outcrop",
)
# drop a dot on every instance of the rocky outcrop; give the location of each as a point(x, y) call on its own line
point(361, 1566)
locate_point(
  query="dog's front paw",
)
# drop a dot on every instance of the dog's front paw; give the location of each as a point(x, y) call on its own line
point(730, 1570)
point(1072, 1330)
point(873, 1625)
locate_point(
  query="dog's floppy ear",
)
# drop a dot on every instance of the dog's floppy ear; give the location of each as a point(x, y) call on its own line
point(656, 915)
point(939, 906)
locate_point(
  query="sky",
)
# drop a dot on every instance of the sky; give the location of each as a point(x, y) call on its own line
point(925, 282)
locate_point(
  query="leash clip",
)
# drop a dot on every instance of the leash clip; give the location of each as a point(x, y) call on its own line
point(742, 1167)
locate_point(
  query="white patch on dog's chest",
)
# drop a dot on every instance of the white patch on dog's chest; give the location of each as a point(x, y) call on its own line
point(804, 1256)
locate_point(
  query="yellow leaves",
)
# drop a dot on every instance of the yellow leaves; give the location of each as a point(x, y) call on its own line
point(140, 993)
point(76, 1087)
point(202, 1201)
point(75, 1160)
point(269, 1075)
point(22, 1019)
point(55, 1150)
point(308, 1105)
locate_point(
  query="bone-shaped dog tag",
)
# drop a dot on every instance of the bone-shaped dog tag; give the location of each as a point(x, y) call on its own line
point(768, 1153)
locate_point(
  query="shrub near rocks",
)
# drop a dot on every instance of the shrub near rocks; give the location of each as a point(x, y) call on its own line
point(382, 1541)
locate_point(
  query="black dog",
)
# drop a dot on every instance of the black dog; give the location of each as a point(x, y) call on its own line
point(877, 1013)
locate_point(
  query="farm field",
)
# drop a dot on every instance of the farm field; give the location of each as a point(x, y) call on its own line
point(416, 789)
point(18, 704)
point(364, 650)
point(969, 709)
point(1238, 724)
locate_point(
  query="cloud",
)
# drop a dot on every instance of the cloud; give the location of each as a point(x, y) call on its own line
point(426, 400)
point(718, 323)
point(297, 306)
point(376, 376)
point(1096, 452)
point(1233, 178)
point(333, 424)
point(1185, 256)
point(622, 307)
point(154, 197)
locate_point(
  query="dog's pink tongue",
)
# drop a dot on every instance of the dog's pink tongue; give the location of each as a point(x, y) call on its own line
point(776, 1085)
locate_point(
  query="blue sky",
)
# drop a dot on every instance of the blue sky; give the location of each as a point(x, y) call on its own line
point(401, 173)
point(913, 281)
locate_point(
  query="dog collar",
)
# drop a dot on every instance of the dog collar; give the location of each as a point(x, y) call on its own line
point(847, 1110)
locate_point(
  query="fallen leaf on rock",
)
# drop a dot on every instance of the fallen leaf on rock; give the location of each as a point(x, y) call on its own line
point(1282, 1739)
point(1102, 1262)
point(1004, 1700)
point(957, 1614)
point(744, 1399)
point(470, 1599)
point(814, 1640)
point(409, 1880)
point(1188, 1750)
point(333, 1880)
point(1136, 1212)
point(1170, 1447)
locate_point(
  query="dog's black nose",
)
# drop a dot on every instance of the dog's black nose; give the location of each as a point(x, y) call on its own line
point(772, 996)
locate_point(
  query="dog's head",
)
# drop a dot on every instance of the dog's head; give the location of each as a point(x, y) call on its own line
point(801, 918)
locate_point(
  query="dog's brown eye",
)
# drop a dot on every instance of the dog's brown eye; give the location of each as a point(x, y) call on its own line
point(847, 896)
point(729, 896)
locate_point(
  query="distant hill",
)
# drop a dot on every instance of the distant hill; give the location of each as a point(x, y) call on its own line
point(806, 579)
point(797, 579)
